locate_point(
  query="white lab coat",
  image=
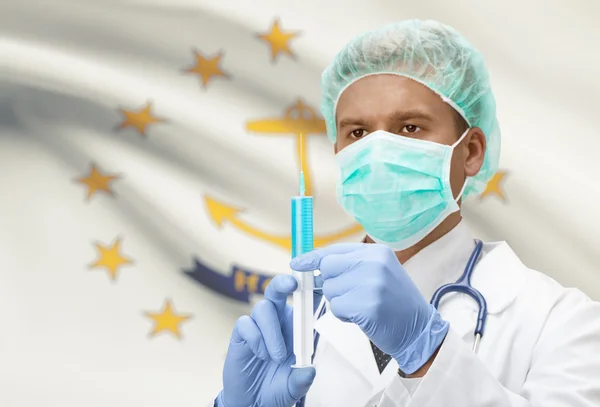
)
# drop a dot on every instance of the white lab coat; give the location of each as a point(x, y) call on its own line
point(541, 348)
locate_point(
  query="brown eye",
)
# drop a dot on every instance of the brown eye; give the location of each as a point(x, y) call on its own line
point(410, 128)
point(358, 133)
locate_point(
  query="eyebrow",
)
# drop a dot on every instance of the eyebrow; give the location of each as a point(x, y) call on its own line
point(399, 115)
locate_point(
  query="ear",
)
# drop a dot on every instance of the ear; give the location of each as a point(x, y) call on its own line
point(474, 151)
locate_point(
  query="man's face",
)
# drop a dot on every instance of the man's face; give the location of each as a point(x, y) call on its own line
point(402, 106)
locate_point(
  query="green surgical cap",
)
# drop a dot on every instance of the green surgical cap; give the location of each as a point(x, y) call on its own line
point(432, 54)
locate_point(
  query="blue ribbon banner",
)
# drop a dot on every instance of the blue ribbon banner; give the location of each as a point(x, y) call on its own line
point(238, 284)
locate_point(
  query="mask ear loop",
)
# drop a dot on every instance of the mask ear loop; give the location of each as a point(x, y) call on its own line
point(460, 139)
point(462, 190)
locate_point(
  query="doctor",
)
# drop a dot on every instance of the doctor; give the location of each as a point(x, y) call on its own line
point(413, 120)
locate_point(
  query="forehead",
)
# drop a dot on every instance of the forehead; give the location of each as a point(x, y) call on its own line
point(379, 96)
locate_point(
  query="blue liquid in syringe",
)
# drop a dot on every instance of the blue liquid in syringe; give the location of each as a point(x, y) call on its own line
point(302, 221)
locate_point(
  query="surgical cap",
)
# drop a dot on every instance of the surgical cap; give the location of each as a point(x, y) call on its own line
point(432, 54)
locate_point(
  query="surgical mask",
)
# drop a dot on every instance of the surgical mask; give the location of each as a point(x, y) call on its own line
point(397, 188)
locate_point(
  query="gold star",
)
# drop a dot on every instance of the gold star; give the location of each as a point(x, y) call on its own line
point(139, 119)
point(493, 187)
point(110, 258)
point(167, 320)
point(207, 68)
point(96, 181)
point(278, 40)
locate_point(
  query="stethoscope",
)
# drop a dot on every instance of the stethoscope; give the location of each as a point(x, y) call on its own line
point(462, 285)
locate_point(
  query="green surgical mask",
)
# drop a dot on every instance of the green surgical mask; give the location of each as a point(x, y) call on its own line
point(397, 188)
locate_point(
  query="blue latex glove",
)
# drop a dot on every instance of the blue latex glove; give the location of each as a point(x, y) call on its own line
point(365, 284)
point(257, 369)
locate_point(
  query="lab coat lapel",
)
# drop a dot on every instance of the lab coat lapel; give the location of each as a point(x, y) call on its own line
point(498, 276)
point(352, 344)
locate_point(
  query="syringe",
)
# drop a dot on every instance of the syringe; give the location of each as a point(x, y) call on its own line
point(302, 242)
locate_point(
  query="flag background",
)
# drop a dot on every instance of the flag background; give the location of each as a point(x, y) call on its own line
point(194, 214)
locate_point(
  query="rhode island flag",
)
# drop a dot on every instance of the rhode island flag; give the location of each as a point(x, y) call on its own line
point(148, 153)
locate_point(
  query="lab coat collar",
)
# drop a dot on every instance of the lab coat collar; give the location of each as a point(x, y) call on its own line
point(497, 276)
point(441, 262)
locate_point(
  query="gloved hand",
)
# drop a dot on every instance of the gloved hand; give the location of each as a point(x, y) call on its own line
point(365, 284)
point(257, 369)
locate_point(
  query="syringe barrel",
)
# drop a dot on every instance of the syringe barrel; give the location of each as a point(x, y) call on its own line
point(303, 242)
point(304, 319)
